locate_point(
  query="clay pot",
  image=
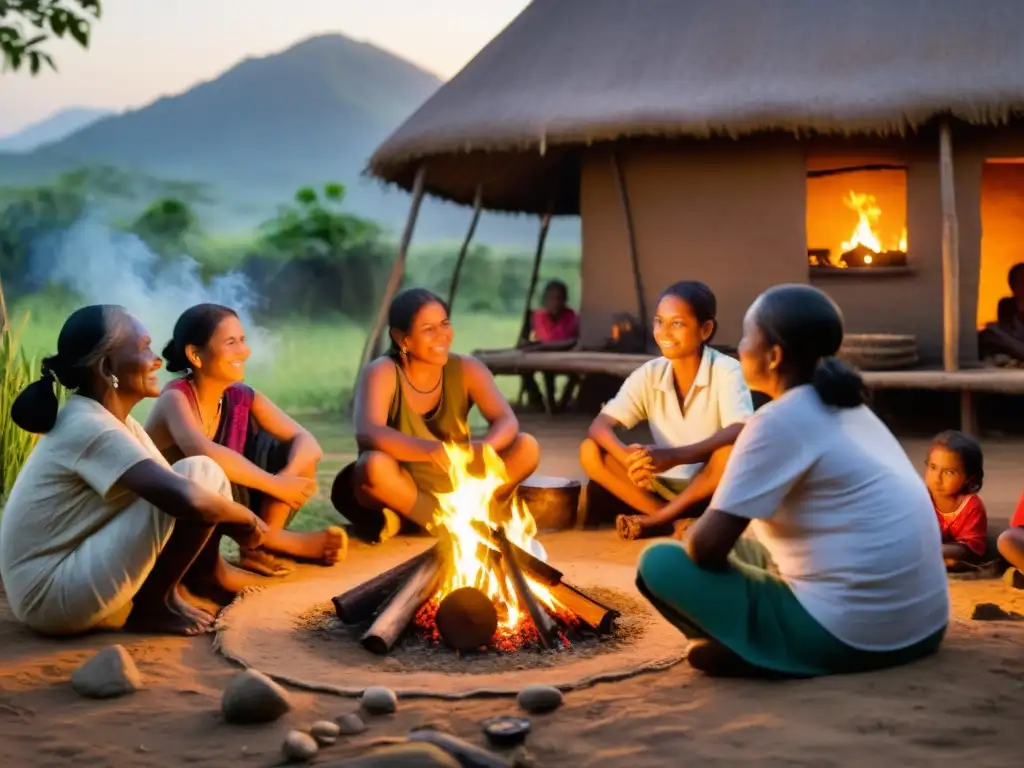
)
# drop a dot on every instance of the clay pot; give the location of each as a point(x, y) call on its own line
point(552, 501)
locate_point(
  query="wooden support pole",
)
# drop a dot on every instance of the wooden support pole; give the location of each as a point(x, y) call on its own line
point(545, 222)
point(477, 203)
point(950, 254)
point(371, 348)
point(634, 259)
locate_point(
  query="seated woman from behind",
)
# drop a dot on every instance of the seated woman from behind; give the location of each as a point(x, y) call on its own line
point(695, 402)
point(99, 530)
point(270, 460)
point(834, 503)
point(408, 404)
point(954, 471)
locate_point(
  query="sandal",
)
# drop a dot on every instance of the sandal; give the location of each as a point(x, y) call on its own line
point(262, 562)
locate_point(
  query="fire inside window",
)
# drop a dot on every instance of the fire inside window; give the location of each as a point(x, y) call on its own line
point(857, 219)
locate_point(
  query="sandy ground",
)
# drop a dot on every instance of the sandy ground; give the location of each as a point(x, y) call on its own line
point(964, 706)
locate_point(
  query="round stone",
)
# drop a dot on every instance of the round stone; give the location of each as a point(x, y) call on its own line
point(350, 724)
point(539, 698)
point(252, 697)
point(378, 700)
point(299, 746)
point(324, 731)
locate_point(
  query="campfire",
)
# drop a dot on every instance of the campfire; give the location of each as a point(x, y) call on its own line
point(864, 248)
point(483, 586)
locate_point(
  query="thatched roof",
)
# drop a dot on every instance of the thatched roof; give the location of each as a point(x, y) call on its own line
point(567, 73)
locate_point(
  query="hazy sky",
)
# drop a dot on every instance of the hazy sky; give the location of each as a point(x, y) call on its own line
point(144, 49)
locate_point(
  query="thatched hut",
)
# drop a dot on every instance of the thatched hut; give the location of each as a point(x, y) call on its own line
point(721, 139)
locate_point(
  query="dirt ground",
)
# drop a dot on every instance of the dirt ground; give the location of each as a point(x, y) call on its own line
point(963, 706)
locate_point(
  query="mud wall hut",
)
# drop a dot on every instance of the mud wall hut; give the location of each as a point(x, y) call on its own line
point(748, 143)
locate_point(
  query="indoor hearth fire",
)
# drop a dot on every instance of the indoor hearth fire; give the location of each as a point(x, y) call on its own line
point(482, 586)
point(864, 249)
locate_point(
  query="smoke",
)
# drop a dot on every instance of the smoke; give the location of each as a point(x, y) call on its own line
point(107, 266)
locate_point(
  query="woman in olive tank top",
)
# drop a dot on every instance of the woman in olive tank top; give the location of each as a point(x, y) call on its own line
point(407, 405)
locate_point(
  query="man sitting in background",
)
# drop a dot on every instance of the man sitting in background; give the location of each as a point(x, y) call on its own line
point(1006, 335)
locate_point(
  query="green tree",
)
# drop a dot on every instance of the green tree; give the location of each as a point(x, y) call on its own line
point(166, 225)
point(25, 25)
point(333, 260)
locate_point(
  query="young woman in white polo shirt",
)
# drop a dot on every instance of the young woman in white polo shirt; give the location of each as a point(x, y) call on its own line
point(832, 500)
point(694, 400)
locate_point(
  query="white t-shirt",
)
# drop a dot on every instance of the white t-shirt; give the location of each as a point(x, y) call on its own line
point(719, 397)
point(66, 493)
point(845, 516)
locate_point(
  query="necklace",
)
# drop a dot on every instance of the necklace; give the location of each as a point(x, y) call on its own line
point(207, 430)
point(422, 391)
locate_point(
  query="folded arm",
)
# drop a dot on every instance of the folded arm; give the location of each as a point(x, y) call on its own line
point(305, 451)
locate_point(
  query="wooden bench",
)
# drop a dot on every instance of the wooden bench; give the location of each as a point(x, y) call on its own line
point(966, 382)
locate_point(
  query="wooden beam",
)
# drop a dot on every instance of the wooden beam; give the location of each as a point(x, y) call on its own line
point(370, 349)
point(477, 203)
point(545, 222)
point(950, 254)
point(634, 259)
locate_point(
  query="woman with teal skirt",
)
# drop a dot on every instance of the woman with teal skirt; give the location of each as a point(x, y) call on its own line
point(844, 572)
point(408, 404)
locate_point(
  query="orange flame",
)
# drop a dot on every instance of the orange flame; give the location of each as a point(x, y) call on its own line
point(868, 214)
point(470, 502)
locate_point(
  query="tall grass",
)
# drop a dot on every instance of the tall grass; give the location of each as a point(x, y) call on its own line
point(17, 370)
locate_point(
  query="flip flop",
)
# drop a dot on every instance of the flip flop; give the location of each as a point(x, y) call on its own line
point(265, 564)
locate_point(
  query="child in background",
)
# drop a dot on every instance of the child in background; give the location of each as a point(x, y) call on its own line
point(1011, 547)
point(954, 471)
point(554, 326)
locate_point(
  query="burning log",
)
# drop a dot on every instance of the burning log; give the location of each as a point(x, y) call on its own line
point(466, 619)
point(396, 615)
point(541, 620)
point(537, 568)
point(600, 617)
point(363, 600)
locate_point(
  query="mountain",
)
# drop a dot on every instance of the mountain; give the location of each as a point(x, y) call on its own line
point(53, 128)
point(310, 114)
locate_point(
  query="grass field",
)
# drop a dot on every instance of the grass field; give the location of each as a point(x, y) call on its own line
point(310, 373)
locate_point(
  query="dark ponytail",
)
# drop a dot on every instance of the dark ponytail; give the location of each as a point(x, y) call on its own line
point(87, 336)
point(194, 328)
point(808, 327)
point(402, 313)
point(837, 384)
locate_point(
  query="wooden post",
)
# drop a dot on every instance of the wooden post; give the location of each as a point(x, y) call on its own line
point(950, 255)
point(477, 203)
point(545, 222)
point(634, 260)
point(370, 349)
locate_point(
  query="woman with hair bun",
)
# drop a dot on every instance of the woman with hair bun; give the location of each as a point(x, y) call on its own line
point(846, 573)
point(100, 531)
point(269, 458)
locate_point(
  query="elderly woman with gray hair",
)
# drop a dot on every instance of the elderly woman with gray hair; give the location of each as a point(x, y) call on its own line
point(99, 530)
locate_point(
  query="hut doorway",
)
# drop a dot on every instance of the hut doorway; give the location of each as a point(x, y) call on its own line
point(1002, 227)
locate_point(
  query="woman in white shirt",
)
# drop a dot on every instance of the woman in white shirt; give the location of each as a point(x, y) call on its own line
point(832, 500)
point(694, 400)
point(99, 530)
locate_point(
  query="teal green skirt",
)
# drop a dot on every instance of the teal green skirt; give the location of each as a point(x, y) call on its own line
point(751, 611)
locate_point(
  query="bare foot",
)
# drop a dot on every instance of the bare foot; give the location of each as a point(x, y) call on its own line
point(335, 545)
point(224, 585)
point(164, 619)
point(198, 604)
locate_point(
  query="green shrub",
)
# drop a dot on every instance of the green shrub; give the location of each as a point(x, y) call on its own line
point(17, 371)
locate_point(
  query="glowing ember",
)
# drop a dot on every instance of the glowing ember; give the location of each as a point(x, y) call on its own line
point(461, 513)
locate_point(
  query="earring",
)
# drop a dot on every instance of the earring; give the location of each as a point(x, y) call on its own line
point(113, 381)
point(404, 351)
point(772, 365)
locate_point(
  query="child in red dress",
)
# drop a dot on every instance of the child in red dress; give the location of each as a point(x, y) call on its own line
point(954, 471)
